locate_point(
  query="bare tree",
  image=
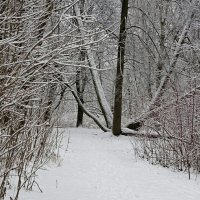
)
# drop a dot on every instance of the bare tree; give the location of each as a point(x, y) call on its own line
point(120, 70)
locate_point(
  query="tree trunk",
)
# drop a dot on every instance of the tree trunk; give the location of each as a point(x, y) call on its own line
point(105, 108)
point(116, 129)
point(160, 64)
point(80, 87)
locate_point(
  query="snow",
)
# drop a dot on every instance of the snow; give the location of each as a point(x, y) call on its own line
point(99, 166)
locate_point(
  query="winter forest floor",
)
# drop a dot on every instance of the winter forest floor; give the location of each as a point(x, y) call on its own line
point(99, 166)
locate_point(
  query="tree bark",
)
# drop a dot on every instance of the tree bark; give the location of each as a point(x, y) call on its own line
point(80, 87)
point(116, 129)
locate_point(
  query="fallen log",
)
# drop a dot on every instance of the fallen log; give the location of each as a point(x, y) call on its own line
point(133, 133)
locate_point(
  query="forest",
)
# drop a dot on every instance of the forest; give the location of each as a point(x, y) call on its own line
point(130, 67)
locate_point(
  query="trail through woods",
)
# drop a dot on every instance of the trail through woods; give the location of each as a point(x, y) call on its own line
point(99, 166)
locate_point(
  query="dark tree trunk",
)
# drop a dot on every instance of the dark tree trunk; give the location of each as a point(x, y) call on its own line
point(81, 79)
point(80, 113)
point(116, 129)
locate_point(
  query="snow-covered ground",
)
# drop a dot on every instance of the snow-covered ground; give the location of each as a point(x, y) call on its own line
point(99, 166)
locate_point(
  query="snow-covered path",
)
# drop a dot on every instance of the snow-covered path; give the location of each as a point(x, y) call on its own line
point(98, 166)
